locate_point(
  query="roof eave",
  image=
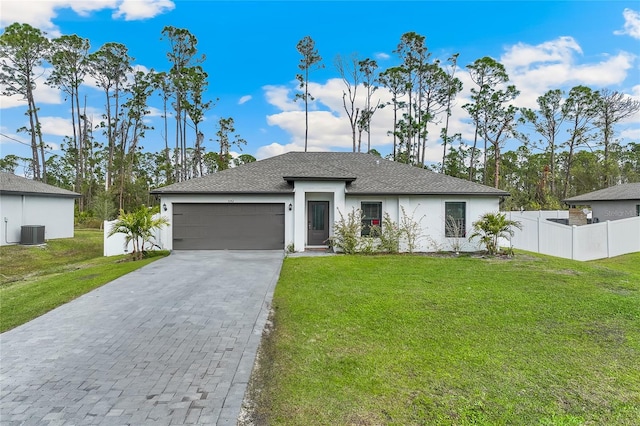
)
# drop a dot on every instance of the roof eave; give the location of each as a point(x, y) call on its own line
point(448, 193)
point(587, 201)
point(156, 192)
point(39, 194)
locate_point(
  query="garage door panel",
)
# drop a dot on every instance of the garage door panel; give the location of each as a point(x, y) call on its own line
point(234, 226)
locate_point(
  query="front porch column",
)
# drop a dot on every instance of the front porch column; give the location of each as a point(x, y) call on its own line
point(299, 219)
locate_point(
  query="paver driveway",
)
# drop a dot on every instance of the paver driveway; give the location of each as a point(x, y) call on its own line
point(171, 343)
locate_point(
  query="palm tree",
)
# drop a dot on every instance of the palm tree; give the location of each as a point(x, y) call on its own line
point(138, 227)
point(492, 226)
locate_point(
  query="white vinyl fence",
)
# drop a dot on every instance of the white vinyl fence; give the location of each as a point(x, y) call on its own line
point(114, 245)
point(586, 242)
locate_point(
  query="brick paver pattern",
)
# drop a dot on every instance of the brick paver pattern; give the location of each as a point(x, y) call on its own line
point(171, 343)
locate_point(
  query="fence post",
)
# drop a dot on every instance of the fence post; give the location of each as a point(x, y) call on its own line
point(105, 225)
point(574, 228)
point(538, 233)
point(608, 238)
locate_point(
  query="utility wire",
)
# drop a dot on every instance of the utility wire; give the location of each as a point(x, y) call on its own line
point(23, 143)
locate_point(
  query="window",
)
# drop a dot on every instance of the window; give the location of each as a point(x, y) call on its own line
point(371, 216)
point(455, 224)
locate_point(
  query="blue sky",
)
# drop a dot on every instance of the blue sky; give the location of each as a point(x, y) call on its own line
point(251, 58)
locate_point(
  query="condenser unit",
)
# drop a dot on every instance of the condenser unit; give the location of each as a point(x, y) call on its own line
point(32, 234)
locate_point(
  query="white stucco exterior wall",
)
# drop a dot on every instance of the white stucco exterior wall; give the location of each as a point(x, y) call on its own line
point(54, 213)
point(429, 212)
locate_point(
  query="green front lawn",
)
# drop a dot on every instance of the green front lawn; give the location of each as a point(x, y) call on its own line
point(415, 340)
point(37, 279)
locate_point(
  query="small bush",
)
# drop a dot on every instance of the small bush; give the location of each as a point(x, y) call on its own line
point(347, 231)
point(410, 229)
point(389, 236)
point(492, 226)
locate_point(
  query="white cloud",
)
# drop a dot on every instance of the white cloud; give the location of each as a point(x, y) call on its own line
point(631, 134)
point(275, 148)
point(554, 64)
point(329, 127)
point(381, 56)
point(84, 8)
point(56, 126)
point(43, 95)
point(41, 13)
point(278, 96)
point(631, 24)
point(133, 10)
point(534, 69)
point(154, 112)
point(8, 137)
point(523, 55)
point(244, 99)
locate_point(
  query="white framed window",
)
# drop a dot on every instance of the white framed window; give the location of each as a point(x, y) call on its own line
point(371, 216)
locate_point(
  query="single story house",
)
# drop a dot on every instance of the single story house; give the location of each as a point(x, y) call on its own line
point(617, 202)
point(293, 200)
point(32, 211)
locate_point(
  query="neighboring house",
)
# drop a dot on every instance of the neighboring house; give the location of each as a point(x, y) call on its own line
point(616, 202)
point(292, 201)
point(34, 205)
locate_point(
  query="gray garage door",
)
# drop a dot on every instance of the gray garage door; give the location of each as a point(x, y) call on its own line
point(231, 226)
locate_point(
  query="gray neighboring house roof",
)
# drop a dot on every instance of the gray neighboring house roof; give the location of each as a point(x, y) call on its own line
point(18, 185)
point(626, 191)
point(365, 174)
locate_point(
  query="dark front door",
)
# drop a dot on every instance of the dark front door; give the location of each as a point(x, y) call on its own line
point(318, 223)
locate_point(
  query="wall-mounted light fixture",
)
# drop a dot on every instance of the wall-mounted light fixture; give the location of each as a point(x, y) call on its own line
point(164, 207)
point(290, 206)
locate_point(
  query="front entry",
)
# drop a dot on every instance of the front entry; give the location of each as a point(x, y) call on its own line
point(318, 223)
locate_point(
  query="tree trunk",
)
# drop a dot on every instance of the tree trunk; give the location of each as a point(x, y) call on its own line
point(473, 154)
point(35, 162)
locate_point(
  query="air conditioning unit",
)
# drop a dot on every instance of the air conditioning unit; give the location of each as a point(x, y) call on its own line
point(32, 234)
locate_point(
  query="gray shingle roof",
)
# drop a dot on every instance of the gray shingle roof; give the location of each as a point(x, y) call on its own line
point(626, 191)
point(373, 175)
point(12, 184)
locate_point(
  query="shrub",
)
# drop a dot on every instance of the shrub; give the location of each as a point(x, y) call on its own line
point(410, 229)
point(138, 227)
point(347, 232)
point(454, 228)
point(490, 227)
point(390, 235)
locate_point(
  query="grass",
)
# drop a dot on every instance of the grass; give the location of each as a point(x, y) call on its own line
point(37, 279)
point(21, 263)
point(416, 340)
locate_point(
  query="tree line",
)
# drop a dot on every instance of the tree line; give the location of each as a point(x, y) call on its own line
point(104, 161)
point(568, 145)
